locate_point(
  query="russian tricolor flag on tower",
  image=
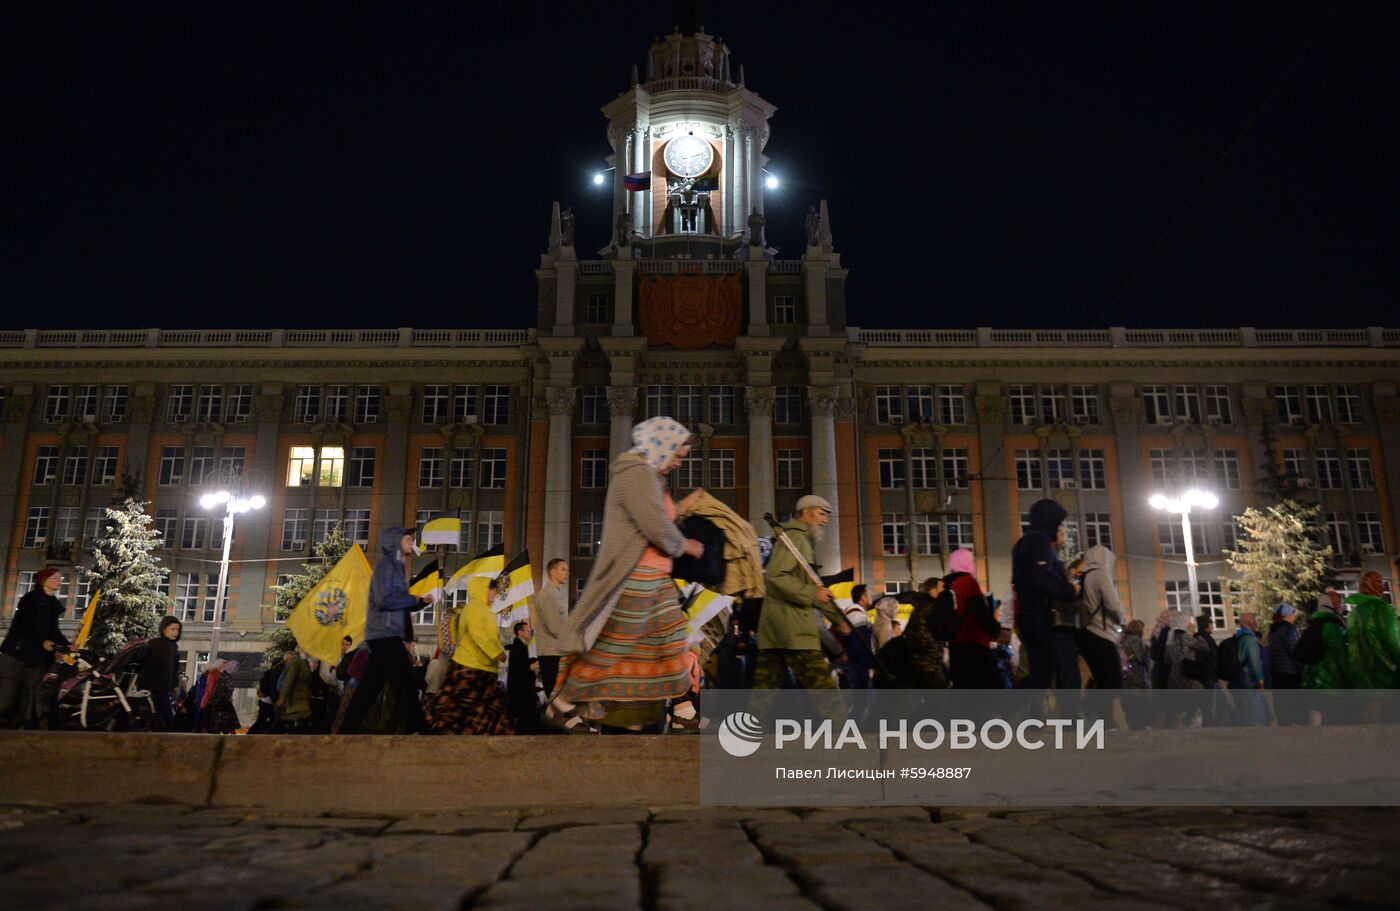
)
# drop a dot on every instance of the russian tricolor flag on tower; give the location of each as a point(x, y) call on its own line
point(635, 183)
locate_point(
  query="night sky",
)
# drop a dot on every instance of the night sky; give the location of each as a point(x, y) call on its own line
point(1013, 165)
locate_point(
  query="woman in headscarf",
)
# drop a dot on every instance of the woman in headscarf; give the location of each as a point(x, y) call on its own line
point(1135, 675)
point(971, 662)
point(625, 641)
point(470, 699)
point(886, 611)
point(1373, 636)
point(216, 711)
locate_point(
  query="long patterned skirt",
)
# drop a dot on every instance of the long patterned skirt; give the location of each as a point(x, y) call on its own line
point(469, 702)
point(638, 659)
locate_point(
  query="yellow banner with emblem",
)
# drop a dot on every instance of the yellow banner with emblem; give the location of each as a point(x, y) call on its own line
point(334, 608)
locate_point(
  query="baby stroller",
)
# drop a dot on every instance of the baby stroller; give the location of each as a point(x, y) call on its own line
point(104, 695)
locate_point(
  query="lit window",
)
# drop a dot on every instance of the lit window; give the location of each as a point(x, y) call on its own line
point(332, 466)
point(301, 466)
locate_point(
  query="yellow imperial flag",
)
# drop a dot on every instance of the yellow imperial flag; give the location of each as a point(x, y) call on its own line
point(86, 629)
point(483, 567)
point(700, 606)
point(443, 528)
point(334, 608)
point(517, 582)
point(429, 579)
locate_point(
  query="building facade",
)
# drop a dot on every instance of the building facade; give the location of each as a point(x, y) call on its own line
point(924, 439)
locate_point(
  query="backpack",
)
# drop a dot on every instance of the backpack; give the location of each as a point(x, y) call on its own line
point(1227, 660)
point(943, 619)
point(707, 569)
point(1312, 648)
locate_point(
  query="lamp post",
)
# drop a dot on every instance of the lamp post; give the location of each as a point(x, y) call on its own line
point(1182, 505)
point(234, 505)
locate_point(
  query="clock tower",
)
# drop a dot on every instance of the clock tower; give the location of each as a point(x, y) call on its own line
point(687, 152)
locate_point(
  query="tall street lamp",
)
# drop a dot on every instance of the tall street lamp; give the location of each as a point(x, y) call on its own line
point(1183, 505)
point(234, 505)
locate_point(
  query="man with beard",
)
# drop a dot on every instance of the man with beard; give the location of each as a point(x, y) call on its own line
point(788, 640)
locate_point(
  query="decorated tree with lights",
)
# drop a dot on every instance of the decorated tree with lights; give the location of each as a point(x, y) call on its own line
point(127, 571)
point(1278, 558)
point(325, 554)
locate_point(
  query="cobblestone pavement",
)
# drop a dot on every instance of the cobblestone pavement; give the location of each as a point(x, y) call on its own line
point(149, 856)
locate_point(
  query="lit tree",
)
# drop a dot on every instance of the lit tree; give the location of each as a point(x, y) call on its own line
point(325, 554)
point(128, 572)
point(1279, 558)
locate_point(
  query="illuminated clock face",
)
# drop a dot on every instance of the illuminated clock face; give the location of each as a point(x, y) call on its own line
point(688, 156)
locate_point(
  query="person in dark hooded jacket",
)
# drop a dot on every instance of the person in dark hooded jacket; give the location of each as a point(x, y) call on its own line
point(388, 629)
point(1039, 579)
point(29, 648)
point(160, 672)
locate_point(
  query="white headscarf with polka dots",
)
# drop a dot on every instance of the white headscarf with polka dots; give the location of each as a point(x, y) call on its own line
point(656, 439)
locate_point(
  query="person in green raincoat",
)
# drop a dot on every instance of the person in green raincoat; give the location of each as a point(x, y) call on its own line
point(1373, 636)
point(1331, 671)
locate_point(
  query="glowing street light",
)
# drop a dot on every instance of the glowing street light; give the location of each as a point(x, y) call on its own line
point(233, 505)
point(771, 182)
point(598, 179)
point(1183, 504)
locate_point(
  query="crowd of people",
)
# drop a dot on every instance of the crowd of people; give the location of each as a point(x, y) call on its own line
point(626, 658)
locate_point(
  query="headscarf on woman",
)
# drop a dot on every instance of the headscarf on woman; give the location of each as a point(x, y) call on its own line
point(962, 561)
point(657, 439)
point(886, 609)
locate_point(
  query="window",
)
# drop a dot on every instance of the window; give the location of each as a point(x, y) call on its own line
point(180, 403)
point(1227, 469)
point(690, 474)
point(1156, 403)
point(240, 403)
point(1028, 473)
point(593, 405)
point(490, 529)
point(1098, 530)
point(1084, 404)
point(332, 466)
point(956, 471)
point(595, 309)
point(690, 405)
point(194, 531)
point(493, 469)
point(1173, 542)
point(1160, 463)
point(85, 403)
point(1059, 464)
point(784, 310)
point(1194, 468)
point(301, 466)
point(895, 586)
point(210, 406)
point(46, 465)
point(787, 404)
point(294, 529)
point(495, 404)
point(924, 463)
point(1318, 402)
point(888, 405)
point(430, 467)
point(463, 543)
point(461, 469)
point(891, 463)
point(894, 534)
point(366, 404)
point(24, 585)
point(928, 536)
point(1023, 404)
point(361, 467)
point(172, 466)
point(590, 533)
point(1359, 469)
point(1339, 535)
point(1329, 469)
point(1177, 593)
point(959, 534)
point(1053, 405)
point(593, 469)
point(80, 594)
point(1092, 473)
point(1230, 534)
point(114, 405)
point(1295, 464)
point(185, 595)
point(75, 466)
point(56, 406)
point(201, 464)
point(321, 524)
point(231, 461)
point(166, 521)
point(722, 469)
point(1288, 404)
point(1348, 405)
point(211, 596)
point(952, 405)
point(1368, 528)
point(463, 403)
point(337, 404)
point(920, 403)
point(1217, 404)
point(67, 524)
point(722, 404)
point(657, 402)
point(36, 527)
point(790, 472)
point(1188, 404)
point(104, 465)
point(308, 405)
point(435, 404)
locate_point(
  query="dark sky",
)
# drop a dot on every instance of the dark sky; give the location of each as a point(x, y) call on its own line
point(393, 164)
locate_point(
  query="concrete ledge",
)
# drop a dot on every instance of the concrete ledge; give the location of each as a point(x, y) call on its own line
point(79, 768)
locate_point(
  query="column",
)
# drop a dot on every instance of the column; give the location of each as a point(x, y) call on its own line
point(623, 270)
point(640, 151)
point(733, 219)
point(757, 269)
point(758, 402)
point(998, 532)
point(622, 404)
point(21, 407)
point(559, 472)
point(1134, 488)
point(398, 411)
point(824, 483)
